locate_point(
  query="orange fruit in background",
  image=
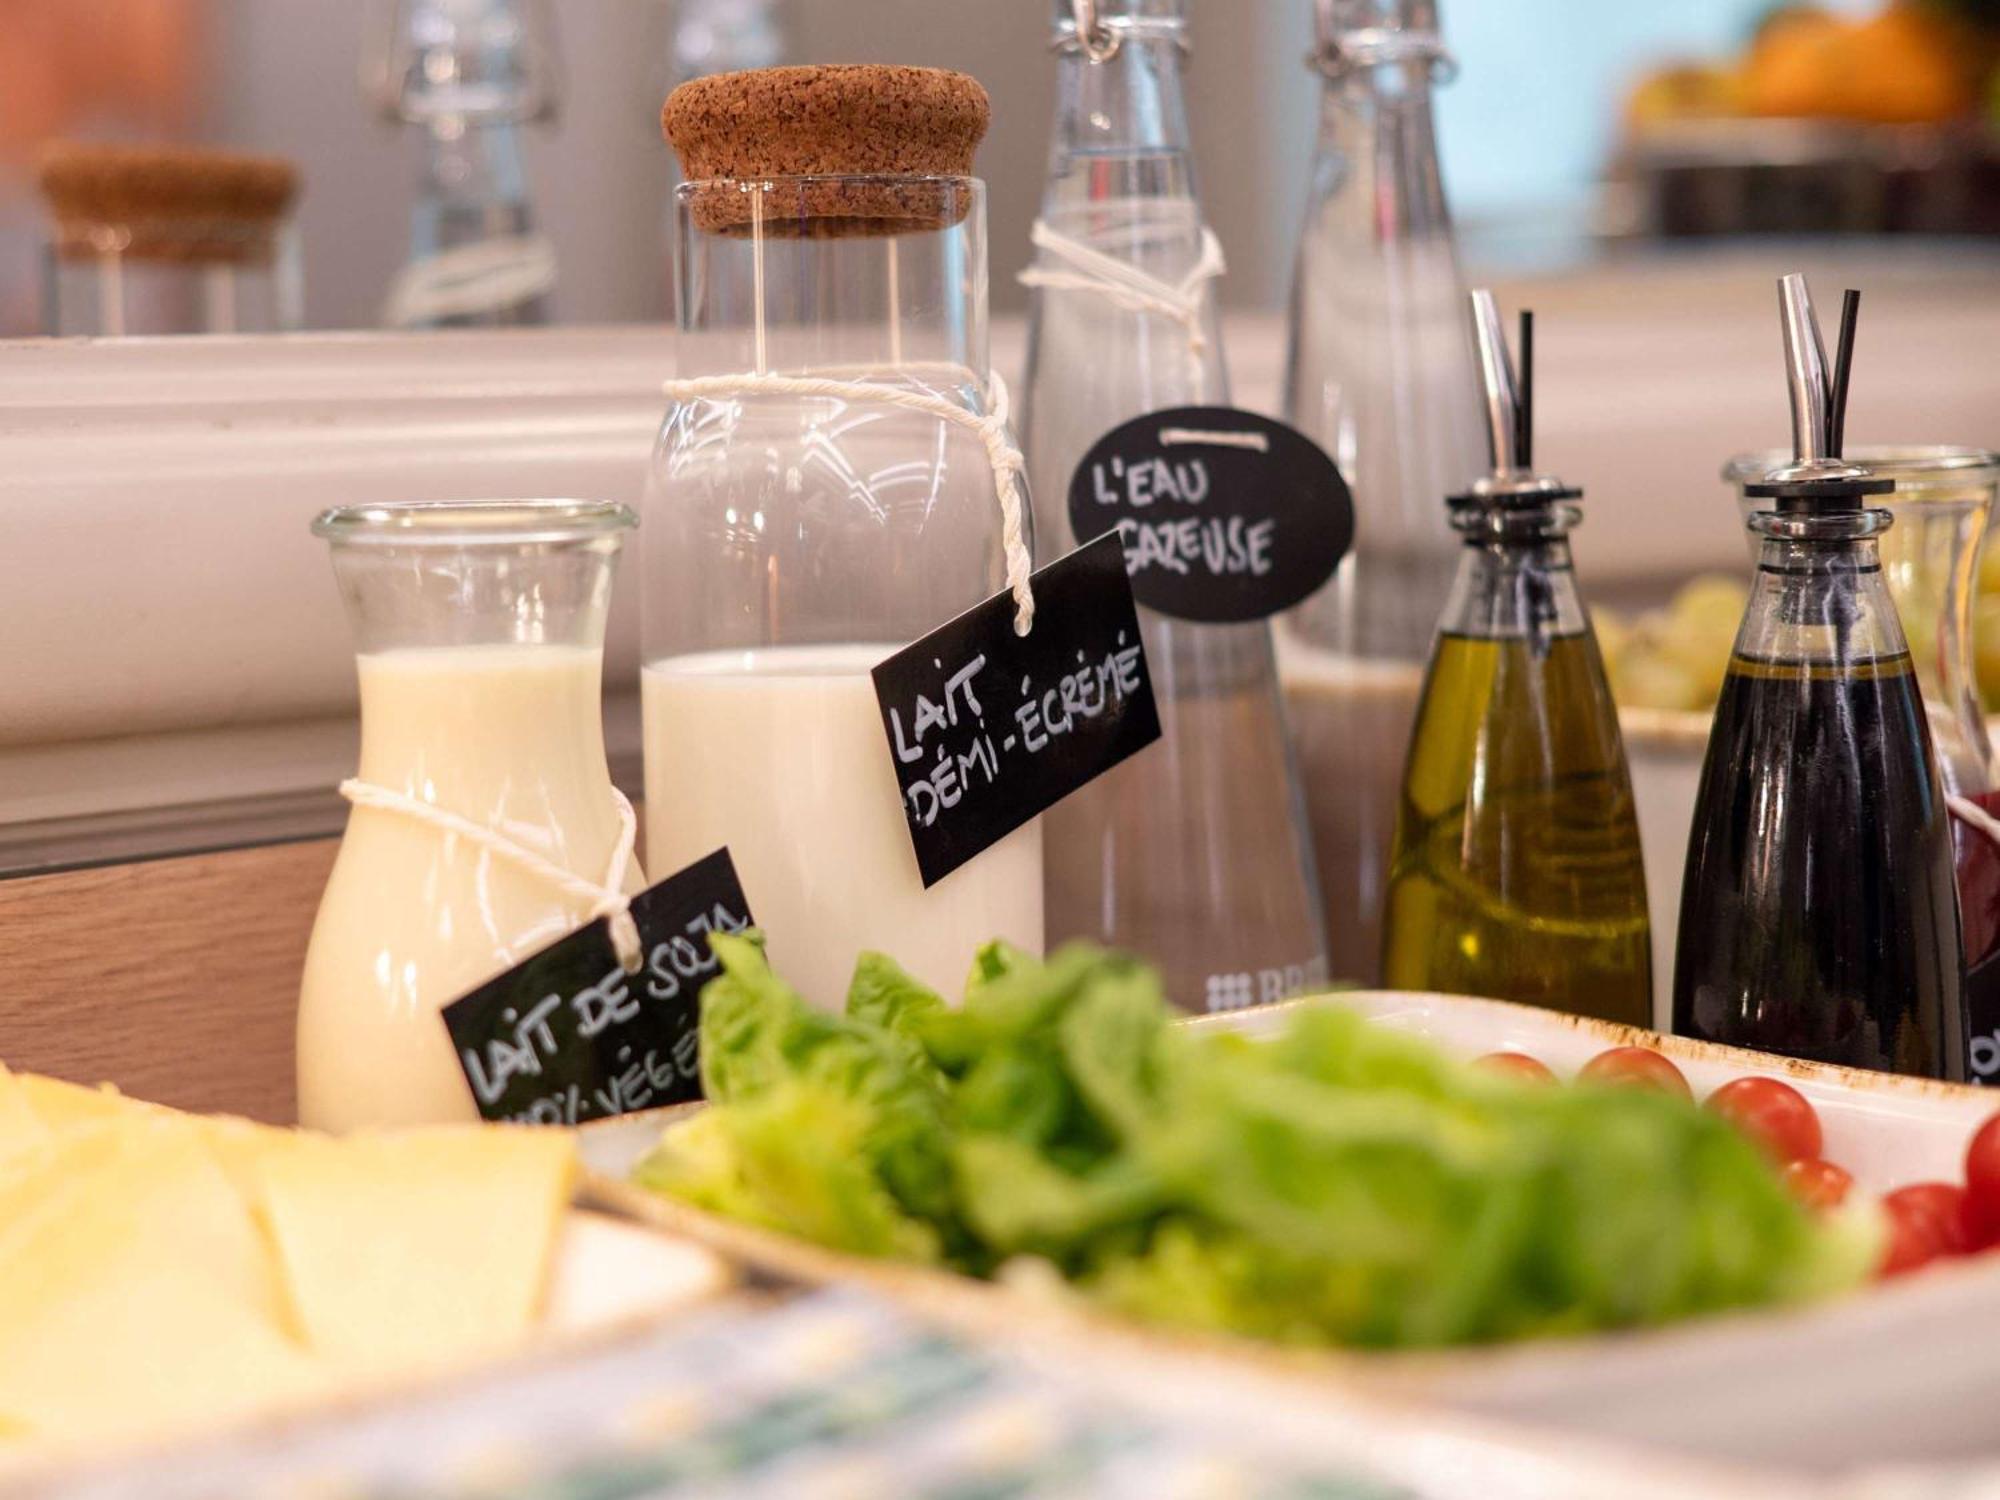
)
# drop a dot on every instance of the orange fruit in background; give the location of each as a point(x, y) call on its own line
point(1684, 91)
point(1906, 65)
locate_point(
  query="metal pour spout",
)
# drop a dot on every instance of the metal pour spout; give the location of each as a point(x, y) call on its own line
point(1805, 371)
point(1500, 394)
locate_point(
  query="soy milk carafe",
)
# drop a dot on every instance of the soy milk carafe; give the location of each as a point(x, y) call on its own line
point(834, 478)
point(485, 825)
point(1195, 855)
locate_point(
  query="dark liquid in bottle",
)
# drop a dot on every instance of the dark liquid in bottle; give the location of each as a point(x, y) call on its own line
point(1818, 915)
point(1979, 917)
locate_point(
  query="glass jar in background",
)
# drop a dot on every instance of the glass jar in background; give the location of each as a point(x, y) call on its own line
point(1379, 372)
point(479, 628)
point(1943, 505)
point(1196, 854)
point(168, 239)
point(796, 537)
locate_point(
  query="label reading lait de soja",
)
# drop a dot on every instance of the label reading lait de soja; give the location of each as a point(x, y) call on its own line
point(988, 728)
point(1225, 515)
point(568, 1035)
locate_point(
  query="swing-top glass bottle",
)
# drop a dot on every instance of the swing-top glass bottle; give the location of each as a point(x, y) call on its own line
point(1380, 373)
point(1193, 853)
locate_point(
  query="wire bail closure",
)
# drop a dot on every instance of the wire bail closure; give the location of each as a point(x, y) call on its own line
point(1342, 54)
point(1099, 42)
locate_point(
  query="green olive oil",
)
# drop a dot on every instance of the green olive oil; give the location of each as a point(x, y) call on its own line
point(1517, 871)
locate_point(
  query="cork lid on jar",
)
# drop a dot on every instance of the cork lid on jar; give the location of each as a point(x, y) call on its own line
point(179, 203)
point(871, 140)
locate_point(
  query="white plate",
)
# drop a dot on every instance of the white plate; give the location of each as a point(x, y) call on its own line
point(1902, 1372)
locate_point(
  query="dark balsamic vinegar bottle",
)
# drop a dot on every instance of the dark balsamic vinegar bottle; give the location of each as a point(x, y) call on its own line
point(1819, 912)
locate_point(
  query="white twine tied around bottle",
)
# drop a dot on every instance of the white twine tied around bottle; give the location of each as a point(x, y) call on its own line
point(1118, 281)
point(990, 428)
point(607, 898)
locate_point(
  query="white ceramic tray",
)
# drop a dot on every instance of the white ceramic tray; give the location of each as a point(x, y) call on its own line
point(1905, 1372)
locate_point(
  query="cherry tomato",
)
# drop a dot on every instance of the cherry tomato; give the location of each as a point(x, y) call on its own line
point(1818, 1183)
point(1636, 1067)
point(1515, 1065)
point(1982, 1186)
point(1774, 1115)
point(1926, 1220)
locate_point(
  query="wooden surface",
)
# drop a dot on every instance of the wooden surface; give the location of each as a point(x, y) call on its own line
point(176, 979)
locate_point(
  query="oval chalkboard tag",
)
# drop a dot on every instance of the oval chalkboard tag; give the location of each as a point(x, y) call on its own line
point(1225, 515)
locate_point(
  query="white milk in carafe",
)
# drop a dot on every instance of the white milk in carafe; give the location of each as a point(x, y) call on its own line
point(512, 738)
point(779, 753)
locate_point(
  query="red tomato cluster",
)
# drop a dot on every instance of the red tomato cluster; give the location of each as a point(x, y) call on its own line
point(1927, 1220)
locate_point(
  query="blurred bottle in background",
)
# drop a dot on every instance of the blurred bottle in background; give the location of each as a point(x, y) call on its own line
point(725, 36)
point(1380, 372)
point(469, 73)
point(1194, 853)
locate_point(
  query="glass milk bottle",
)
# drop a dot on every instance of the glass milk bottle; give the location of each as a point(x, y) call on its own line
point(485, 825)
point(1195, 854)
point(823, 492)
point(1380, 373)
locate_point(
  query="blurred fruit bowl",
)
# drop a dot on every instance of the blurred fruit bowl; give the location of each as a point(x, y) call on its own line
point(1885, 123)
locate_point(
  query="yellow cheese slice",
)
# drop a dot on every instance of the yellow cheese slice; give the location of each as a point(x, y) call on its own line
point(63, 1106)
point(417, 1248)
point(137, 1297)
point(21, 1128)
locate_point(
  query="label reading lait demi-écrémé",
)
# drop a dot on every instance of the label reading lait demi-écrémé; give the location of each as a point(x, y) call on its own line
point(569, 1035)
point(988, 728)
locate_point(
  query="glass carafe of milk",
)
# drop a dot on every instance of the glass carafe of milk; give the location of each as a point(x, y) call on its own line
point(813, 507)
point(480, 631)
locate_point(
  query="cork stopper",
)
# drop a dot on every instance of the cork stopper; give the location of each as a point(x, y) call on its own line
point(874, 137)
point(165, 203)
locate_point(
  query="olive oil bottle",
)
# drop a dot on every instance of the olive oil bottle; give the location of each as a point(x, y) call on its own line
point(1516, 870)
point(1819, 912)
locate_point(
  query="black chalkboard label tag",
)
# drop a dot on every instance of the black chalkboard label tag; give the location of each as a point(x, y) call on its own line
point(988, 728)
point(568, 1036)
point(1225, 515)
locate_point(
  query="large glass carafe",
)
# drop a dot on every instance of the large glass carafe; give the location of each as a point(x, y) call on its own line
point(1194, 854)
point(799, 528)
point(1380, 372)
point(480, 633)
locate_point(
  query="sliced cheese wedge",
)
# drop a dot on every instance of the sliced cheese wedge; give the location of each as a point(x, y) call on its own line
point(21, 1129)
point(416, 1249)
point(63, 1106)
point(137, 1297)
